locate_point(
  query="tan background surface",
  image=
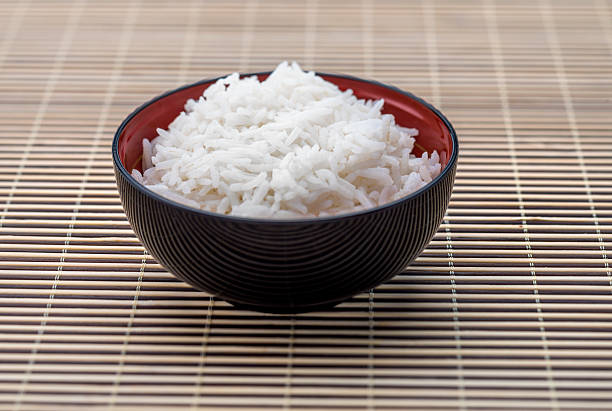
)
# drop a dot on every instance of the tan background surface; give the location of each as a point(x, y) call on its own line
point(509, 307)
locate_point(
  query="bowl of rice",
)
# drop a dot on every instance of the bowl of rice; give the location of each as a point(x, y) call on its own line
point(285, 191)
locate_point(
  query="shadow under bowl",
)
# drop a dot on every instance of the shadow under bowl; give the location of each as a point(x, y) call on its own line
point(286, 266)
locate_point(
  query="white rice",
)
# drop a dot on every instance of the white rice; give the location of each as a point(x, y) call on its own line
point(291, 146)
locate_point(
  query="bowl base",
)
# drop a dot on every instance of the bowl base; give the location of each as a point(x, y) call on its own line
point(285, 309)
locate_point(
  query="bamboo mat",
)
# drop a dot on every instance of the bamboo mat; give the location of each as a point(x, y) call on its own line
point(509, 307)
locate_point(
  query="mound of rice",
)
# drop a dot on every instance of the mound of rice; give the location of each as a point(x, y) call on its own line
point(291, 146)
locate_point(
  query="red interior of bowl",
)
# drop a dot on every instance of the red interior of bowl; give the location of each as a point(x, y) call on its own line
point(433, 133)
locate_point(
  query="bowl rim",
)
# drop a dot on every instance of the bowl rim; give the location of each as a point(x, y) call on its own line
point(285, 221)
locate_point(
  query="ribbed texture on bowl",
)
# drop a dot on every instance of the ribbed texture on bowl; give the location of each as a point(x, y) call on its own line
point(281, 266)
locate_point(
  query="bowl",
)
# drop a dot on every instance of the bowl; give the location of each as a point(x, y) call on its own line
point(286, 266)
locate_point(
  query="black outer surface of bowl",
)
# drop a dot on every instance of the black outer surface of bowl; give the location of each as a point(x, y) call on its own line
point(286, 266)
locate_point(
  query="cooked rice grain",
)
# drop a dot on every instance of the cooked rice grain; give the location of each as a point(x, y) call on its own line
point(293, 145)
